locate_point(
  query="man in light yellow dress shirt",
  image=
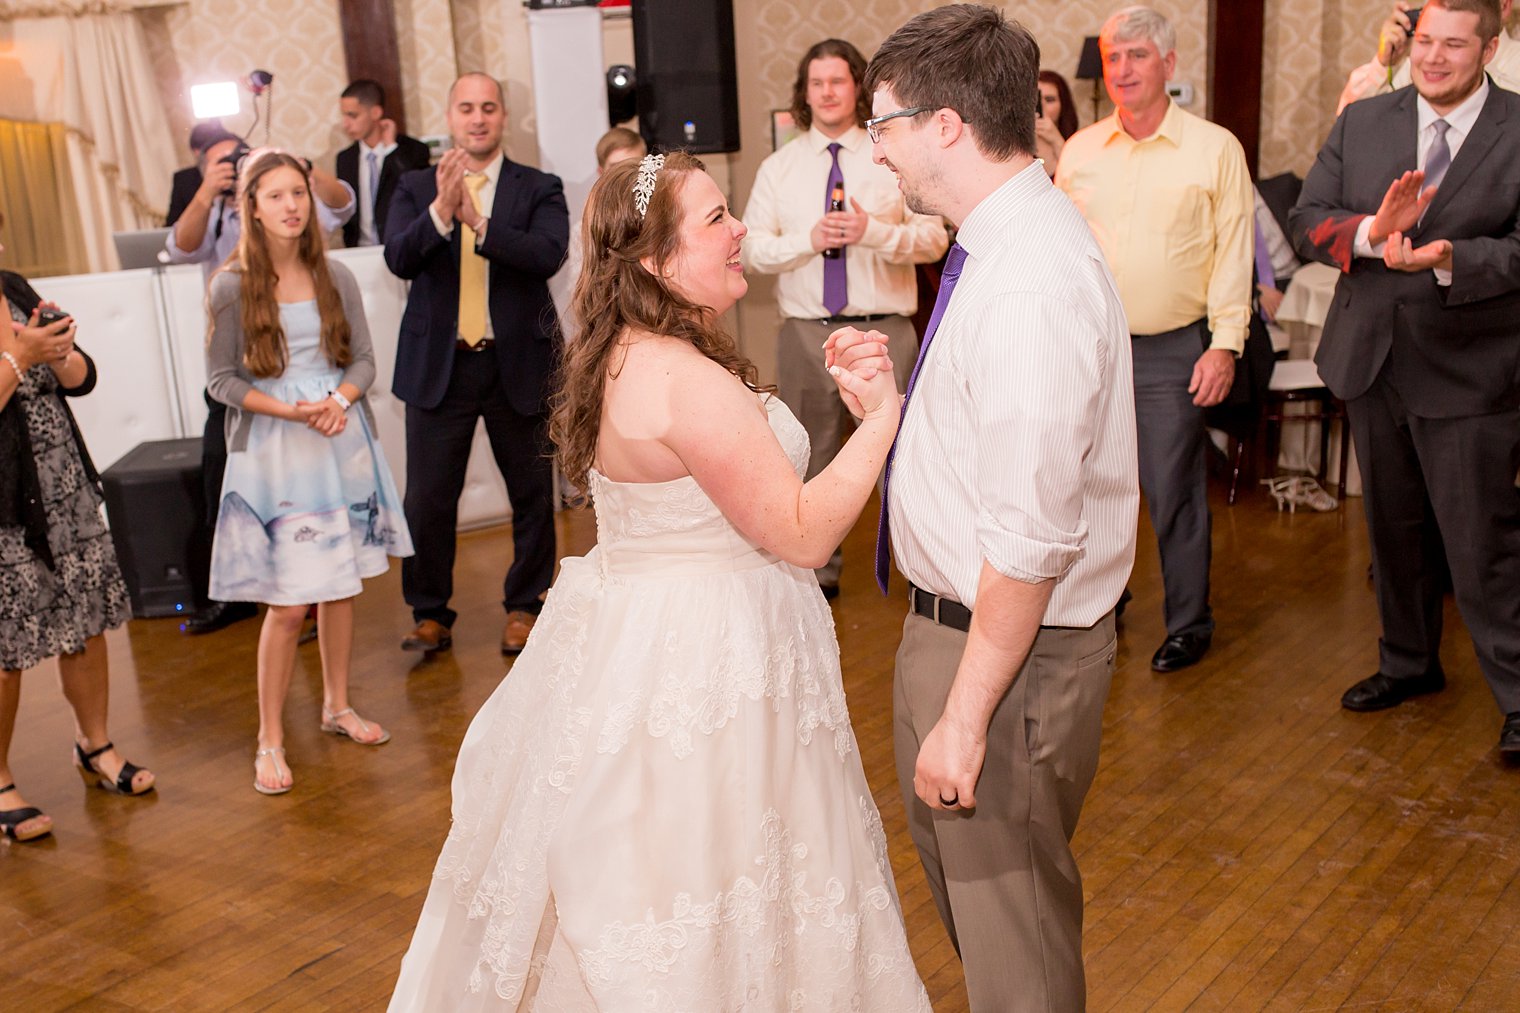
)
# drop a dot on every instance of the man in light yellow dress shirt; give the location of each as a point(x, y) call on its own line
point(1168, 196)
point(869, 282)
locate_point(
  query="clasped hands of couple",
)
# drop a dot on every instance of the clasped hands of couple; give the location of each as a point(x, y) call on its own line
point(1401, 209)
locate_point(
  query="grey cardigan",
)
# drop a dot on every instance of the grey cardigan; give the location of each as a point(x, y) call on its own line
point(229, 381)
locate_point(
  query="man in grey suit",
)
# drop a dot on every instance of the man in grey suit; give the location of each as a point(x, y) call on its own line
point(1415, 198)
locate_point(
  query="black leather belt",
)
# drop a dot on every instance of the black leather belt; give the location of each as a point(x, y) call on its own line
point(460, 344)
point(940, 610)
point(868, 318)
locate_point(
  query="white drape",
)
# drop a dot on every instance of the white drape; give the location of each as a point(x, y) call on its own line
point(91, 73)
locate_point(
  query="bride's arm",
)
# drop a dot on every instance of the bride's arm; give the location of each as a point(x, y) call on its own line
point(722, 436)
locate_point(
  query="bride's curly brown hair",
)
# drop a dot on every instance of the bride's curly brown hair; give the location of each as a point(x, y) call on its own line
point(616, 293)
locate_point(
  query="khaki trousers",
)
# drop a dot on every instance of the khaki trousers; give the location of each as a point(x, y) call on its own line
point(808, 390)
point(1003, 876)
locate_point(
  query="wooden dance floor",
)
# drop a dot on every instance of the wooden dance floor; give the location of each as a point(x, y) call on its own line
point(1247, 845)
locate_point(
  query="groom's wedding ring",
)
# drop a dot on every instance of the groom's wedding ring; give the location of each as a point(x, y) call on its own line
point(952, 800)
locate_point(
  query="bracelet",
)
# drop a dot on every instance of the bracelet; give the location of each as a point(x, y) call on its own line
point(20, 373)
point(342, 401)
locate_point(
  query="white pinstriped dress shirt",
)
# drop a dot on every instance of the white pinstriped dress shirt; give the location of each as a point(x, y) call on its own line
point(1019, 443)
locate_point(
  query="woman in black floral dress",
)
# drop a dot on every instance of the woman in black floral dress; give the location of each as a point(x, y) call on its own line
point(60, 584)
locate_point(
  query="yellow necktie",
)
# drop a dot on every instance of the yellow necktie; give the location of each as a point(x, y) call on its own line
point(472, 274)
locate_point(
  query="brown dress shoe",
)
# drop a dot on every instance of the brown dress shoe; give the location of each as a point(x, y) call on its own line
point(428, 637)
point(515, 637)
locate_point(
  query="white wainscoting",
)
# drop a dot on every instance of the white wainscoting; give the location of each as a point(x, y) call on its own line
point(146, 331)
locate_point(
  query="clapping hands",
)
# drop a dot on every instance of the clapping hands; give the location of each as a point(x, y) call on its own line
point(861, 367)
point(454, 202)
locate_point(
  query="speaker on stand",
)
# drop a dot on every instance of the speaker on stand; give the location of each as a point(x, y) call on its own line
point(688, 96)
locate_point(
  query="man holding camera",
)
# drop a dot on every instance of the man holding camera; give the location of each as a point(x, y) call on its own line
point(205, 233)
point(1389, 69)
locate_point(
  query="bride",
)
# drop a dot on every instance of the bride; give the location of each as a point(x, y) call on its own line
point(662, 806)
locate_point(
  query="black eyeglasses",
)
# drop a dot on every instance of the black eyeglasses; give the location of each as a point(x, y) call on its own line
point(873, 126)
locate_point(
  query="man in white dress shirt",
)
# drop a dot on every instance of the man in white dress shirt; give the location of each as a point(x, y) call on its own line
point(1012, 498)
point(852, 266)
point(375, 162)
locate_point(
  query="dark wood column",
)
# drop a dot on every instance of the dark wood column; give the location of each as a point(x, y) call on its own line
point(370, 48)
point(1236, 34)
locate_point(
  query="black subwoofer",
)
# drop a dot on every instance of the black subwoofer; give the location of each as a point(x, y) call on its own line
point(157, 511)
point(688, 95)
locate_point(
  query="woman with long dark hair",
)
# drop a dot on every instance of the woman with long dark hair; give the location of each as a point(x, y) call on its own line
point(60, 584)
point(1057, 120)
point(308, 508)
point(663, 805)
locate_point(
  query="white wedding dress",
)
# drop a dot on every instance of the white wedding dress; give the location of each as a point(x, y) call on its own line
point(662, 807)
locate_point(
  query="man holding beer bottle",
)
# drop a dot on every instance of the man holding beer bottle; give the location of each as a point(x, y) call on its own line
point(834, 226)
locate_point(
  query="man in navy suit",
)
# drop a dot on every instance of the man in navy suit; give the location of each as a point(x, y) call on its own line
point(478, 236)
point(375, 162)
point(1415, 197)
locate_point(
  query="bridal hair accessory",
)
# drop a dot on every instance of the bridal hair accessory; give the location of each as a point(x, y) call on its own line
point(643, 186)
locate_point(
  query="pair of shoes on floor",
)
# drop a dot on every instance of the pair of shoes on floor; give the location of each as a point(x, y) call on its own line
point(428, 636)
point(1294, 491)
point(13, 822)
point(1181, 651)
point(332, 726)
point(514, 637)
point(123, 784)
point(1379, 692)
point(1509, 738)
point(219, 615)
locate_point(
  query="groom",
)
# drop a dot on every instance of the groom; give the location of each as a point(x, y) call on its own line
point(1011, 500)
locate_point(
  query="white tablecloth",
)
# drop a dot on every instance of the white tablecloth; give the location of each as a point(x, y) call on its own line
point(1302, 315)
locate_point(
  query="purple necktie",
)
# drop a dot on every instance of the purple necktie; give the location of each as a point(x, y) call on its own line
point(953, 264)
point(836, 289)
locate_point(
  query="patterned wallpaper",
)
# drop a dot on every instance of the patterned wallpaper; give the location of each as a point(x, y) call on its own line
point(220, 40)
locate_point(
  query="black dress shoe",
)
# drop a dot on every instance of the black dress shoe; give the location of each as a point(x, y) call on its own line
point(1509, 738)
point(1181, 651)
point(219, 615)
point(1379, 692)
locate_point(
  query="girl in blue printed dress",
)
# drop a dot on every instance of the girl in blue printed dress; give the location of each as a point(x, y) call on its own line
point(309, 508)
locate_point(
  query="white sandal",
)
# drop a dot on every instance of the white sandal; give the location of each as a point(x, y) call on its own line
point(330, 724)
point(276, 753)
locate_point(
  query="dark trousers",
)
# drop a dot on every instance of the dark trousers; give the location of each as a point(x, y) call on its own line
point(437, 453)
point(1424, 478)
point(1173, 471)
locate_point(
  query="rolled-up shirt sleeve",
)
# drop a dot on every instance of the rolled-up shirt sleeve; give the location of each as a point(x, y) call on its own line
point(1035, 402)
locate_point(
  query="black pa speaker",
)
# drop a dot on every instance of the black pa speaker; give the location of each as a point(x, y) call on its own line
point(684, 55)
point(155, 503)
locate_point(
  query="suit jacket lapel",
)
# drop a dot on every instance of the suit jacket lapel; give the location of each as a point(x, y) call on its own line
point(1475, 148)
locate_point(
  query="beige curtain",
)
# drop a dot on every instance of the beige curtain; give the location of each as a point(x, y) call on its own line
point(43, 235)
point(91, 73)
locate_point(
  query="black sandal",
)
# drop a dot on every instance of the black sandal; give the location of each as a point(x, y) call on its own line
point(11, 820)
point(123, 783)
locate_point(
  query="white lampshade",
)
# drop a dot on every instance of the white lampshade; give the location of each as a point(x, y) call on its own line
point(211, 100)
